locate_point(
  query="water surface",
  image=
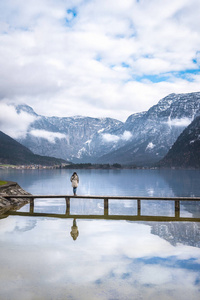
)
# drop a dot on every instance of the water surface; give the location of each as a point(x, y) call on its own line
point(45, 257)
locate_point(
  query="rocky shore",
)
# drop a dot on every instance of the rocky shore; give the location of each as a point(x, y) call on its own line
point(12, 188)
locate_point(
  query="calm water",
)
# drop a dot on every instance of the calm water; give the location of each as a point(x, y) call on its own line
point(48, 257)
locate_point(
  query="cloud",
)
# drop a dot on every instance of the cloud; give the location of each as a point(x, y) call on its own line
point(126, 135)
point(184, 122)
point(12, 123)
point(100, 259)
point(102, 56)
point(107, 137)
point(48, 135)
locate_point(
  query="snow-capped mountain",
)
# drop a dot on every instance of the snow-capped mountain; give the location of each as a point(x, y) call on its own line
point(65, 138)
point(143, 139)
point(155, 131)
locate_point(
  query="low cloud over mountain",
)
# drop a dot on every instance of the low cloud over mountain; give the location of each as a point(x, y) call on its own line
point(144, 139)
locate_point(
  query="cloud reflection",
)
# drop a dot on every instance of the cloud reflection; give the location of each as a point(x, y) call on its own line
point(109, 260)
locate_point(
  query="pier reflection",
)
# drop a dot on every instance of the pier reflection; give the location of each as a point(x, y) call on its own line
point(104, 216)
point(174, 229)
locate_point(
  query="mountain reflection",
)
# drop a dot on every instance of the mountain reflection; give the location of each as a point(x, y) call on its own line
point(182, 182)
point(184, 233)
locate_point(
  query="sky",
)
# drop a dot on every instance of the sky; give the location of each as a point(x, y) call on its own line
point(97, 58)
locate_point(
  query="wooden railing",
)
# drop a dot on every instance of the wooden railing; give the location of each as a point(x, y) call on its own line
point(106, 215)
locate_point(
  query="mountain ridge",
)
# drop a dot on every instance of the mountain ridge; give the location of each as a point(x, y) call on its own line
point(185, 152)
point(142, 140)
point(155, 131)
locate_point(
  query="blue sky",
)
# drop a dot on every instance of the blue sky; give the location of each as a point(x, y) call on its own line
point(97, 58)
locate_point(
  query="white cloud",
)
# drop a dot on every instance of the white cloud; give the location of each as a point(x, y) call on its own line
point(126, 135)
point(152, 264)
point(48, 135)
point(184, 122)
point(101, 56)
point(12, 123)
point(107, 137)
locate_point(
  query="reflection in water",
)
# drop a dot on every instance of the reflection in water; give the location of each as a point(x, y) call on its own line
point(132, 255)
point(175, 232)
point(182, 182)
point(110, 260)
point(74, 232)
point(174, 229)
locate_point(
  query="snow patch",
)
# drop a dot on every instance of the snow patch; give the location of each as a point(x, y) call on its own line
point(81, 152)
point(150, 146)
point(88, 142)
point(100, 130)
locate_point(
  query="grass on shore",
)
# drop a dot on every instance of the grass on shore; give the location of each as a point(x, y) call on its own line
point(2, 182)
point(7, 165)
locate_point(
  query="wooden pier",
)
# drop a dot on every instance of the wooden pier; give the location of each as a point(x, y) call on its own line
point(177, 201)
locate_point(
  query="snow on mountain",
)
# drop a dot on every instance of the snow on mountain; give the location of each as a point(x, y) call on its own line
point(143, 139)
point(67, 137)
point(155, 131)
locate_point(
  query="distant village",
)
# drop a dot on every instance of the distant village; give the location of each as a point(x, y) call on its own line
point(31, 167)
point(73, 166)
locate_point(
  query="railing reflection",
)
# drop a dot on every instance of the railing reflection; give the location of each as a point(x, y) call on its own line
point(106, 215)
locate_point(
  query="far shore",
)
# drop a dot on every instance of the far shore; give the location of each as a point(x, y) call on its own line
point(90, 166)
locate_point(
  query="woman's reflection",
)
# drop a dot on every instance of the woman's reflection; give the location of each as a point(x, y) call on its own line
point(74, 233)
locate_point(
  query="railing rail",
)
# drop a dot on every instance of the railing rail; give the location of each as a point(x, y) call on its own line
point(103, 197)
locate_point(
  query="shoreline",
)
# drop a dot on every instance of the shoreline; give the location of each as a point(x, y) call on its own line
point(89, 166)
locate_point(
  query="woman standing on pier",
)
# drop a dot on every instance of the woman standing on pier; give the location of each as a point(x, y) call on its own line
point(75, 181)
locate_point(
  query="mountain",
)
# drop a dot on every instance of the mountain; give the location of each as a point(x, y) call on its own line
point(68, 138)
point(155, 131)
point(144, 139)
point(12, 152)
point(186, 150)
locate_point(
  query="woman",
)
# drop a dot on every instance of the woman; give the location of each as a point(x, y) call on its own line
point(75, 181)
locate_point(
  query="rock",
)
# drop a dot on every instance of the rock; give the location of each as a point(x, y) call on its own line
point(12, 188)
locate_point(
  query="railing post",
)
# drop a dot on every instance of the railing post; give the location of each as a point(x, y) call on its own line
point(67, 205)
point(177, 208)
point(106, 206)
point(32, 205)
point(138, 207)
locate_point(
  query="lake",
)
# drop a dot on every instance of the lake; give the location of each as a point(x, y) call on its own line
point(49, 257)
